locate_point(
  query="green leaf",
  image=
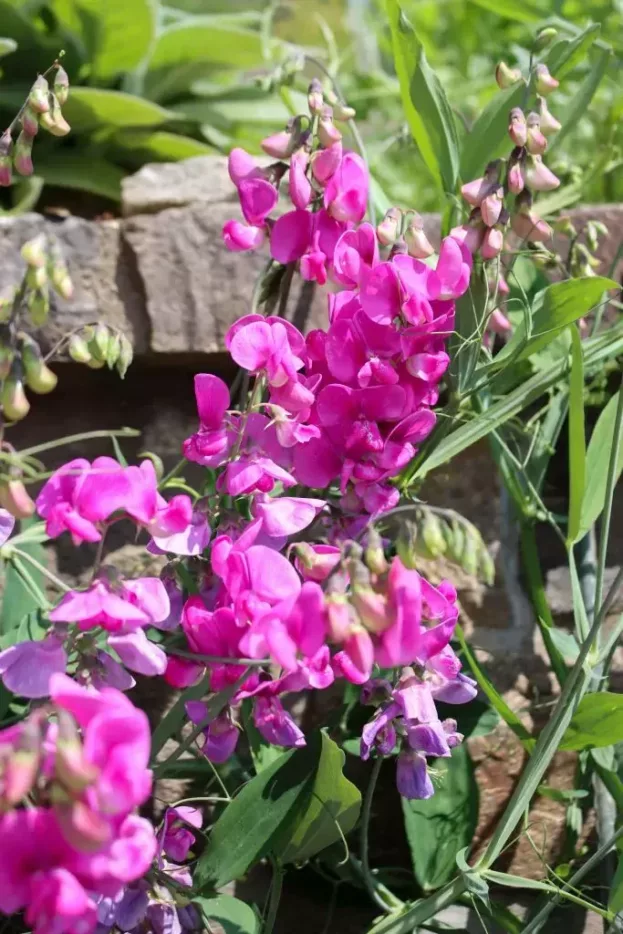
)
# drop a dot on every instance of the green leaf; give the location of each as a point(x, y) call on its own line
point(261, 816)
point(489, 131)
point(334, 801)
point(262, 752)
point(230, 914)
point(553, 309)
point(615, 900)
point(424, 101)
point(30, 628)
point(17, 602)
point(185, 51)
point(94, 108)
point(579, 102)
point(507, 714)
point(159, 146)
point(565, 642)
point(78, 169)
point(598, 721)
point(597, 460)
point(521, 11)
point(577, 445)
point(116, 34)
point(565, 54)
point(7, 46)
point(437, 827)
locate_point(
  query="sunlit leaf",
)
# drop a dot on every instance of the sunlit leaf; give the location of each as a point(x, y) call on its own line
point(95, 108)
point(598, 721)
point(577, 445)
point(597, 460)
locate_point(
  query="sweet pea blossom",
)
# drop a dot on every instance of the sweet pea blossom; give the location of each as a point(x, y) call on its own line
point(115, 604)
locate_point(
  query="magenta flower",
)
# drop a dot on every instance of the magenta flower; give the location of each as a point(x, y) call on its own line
point(239, 238)
point(268, 345)
point(220, 734)
point(286, 515)
point(346, 194)
point(176, 838)
point(355, 251)
point(26, 668)
point(299, 185)
point(275, 723)
point(117, 606)
point(291, 236)
point(7, 524)
point(139, 654)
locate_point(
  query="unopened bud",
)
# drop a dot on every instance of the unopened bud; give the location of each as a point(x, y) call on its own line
point(30, 122)
point(565, 227)
point(549, 123)
point(39, 306)
point(7, 355)
point(406, 544)
point(61, 85)
point(545, 83)
point(328, 133)
point(374, 555)
point(14, 497)
point(15, 405)
point(279, 145)
point(343, 112)
point(388, 229)
point(536, 142)
point(315, 97)
point(515, 179)
point(432, 535)
point(82, 828)
point(22, 157)
point(53, 121)
point(492, 244)
point(126, 354)
point(491, 207)
point(529, 226)
point(506, 76)
point(98, 345)
point(39, 377)
point(538, 176)
point(545, 37)
point(470, 234)
point(71, 768)
point(370, 607)
point(37, 277)
point(592, 239)
point(6, 161)
point(21, 768)
point(517, 129)
point(418, 244)
point(475, 191)
point(38, 98)
point(113, 350)
point(78, 349)
point(34, 251)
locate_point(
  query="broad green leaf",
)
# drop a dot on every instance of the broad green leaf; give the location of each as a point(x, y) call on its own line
point(426, 107)
point(555, 201)
point(94, 108)
point(260, 816)
point(497, 701)
point(522, 11)
point(334, 801)
point(185, 51)
point(489, 132)
point(565, 54)
point(230, 914)
point(615, 901)
point(159, 146)
point(7, 46)
point(17, 601)
point(554, 308)
point(466, 341)
point(598, 721)
point(116, 34)
point(577, 445)
point(579, 102)
point(597, 460)
point(78, 169)
point(439, 826)
point(565, 642)
point(30, 628)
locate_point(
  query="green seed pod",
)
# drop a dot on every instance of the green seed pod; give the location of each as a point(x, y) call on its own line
point(61, 85)
point(374, 555)
point(39, 306)
point(113, 350)
point(53, 121)
point(15, 405)
point(78, 349)
point(35, 252)
point(545, 37)
point(126, 353)
point(94, 364)
point(38, 98)
point(458, 534)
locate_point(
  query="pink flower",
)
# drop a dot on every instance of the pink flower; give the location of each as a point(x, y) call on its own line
point(315, 562)
point(291, 236)
point(120, 606)
point(403, 286)
point(26, 668)
point(191, 541)
point(7, 524)
point(355, 251)
point(176, 837)
point(275, 724)
point(325, 162)
point(288, 629)
point(286, 515)
point(259, 344)
point(209, 445)
point(241, 165)
point(220, 734)
point(139, 654)
point(346, 194)
point(59, 904)
point(300, 186)
point(240, 237)
point(454, 268)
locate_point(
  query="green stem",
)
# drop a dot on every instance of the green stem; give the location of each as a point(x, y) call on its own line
point(610, 485)
point(220, 659)
point(275, 897)
point(173, 720)
point(536, 588)
point(35, 592)
point(366, 812)
point(42, 569)
point(83, 436)
point(407, 921)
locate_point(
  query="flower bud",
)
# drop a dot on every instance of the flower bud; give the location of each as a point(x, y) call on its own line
point(388, 229)
point(30, 122)
point(34, 251)
point(315, 97)
point(506, 76)
point(78, 349)
point(53, 121)
point(19, 772)
point(529, 226)
point(470, 234)
point(517, 129)
point(98, 345)
point(279, 145)
point(22, 156)
point(39, 305)
point(432, 535)
point(126, 353)
point(61, 85)
point(328, 133)
point(113, 350)
point(545, 83)
point(491, 207)
point(538, 176)
point(325, 162)
point(492, 244)
point(343, 112)
point(515, 179)
point(6, 150)
point(70, 766)
point(406, 544)
point(564, 226)
point(82, 828)
point(340, 616)
point(370, 607)
point(39, 377)
point(15, 405)
point(417, 242)
point(545, 37)
point(475, 191)
point(374, 555)
point(38, 98)
point(549, 123)
point(14, 497)
point(7, 356)
point(536, 143)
